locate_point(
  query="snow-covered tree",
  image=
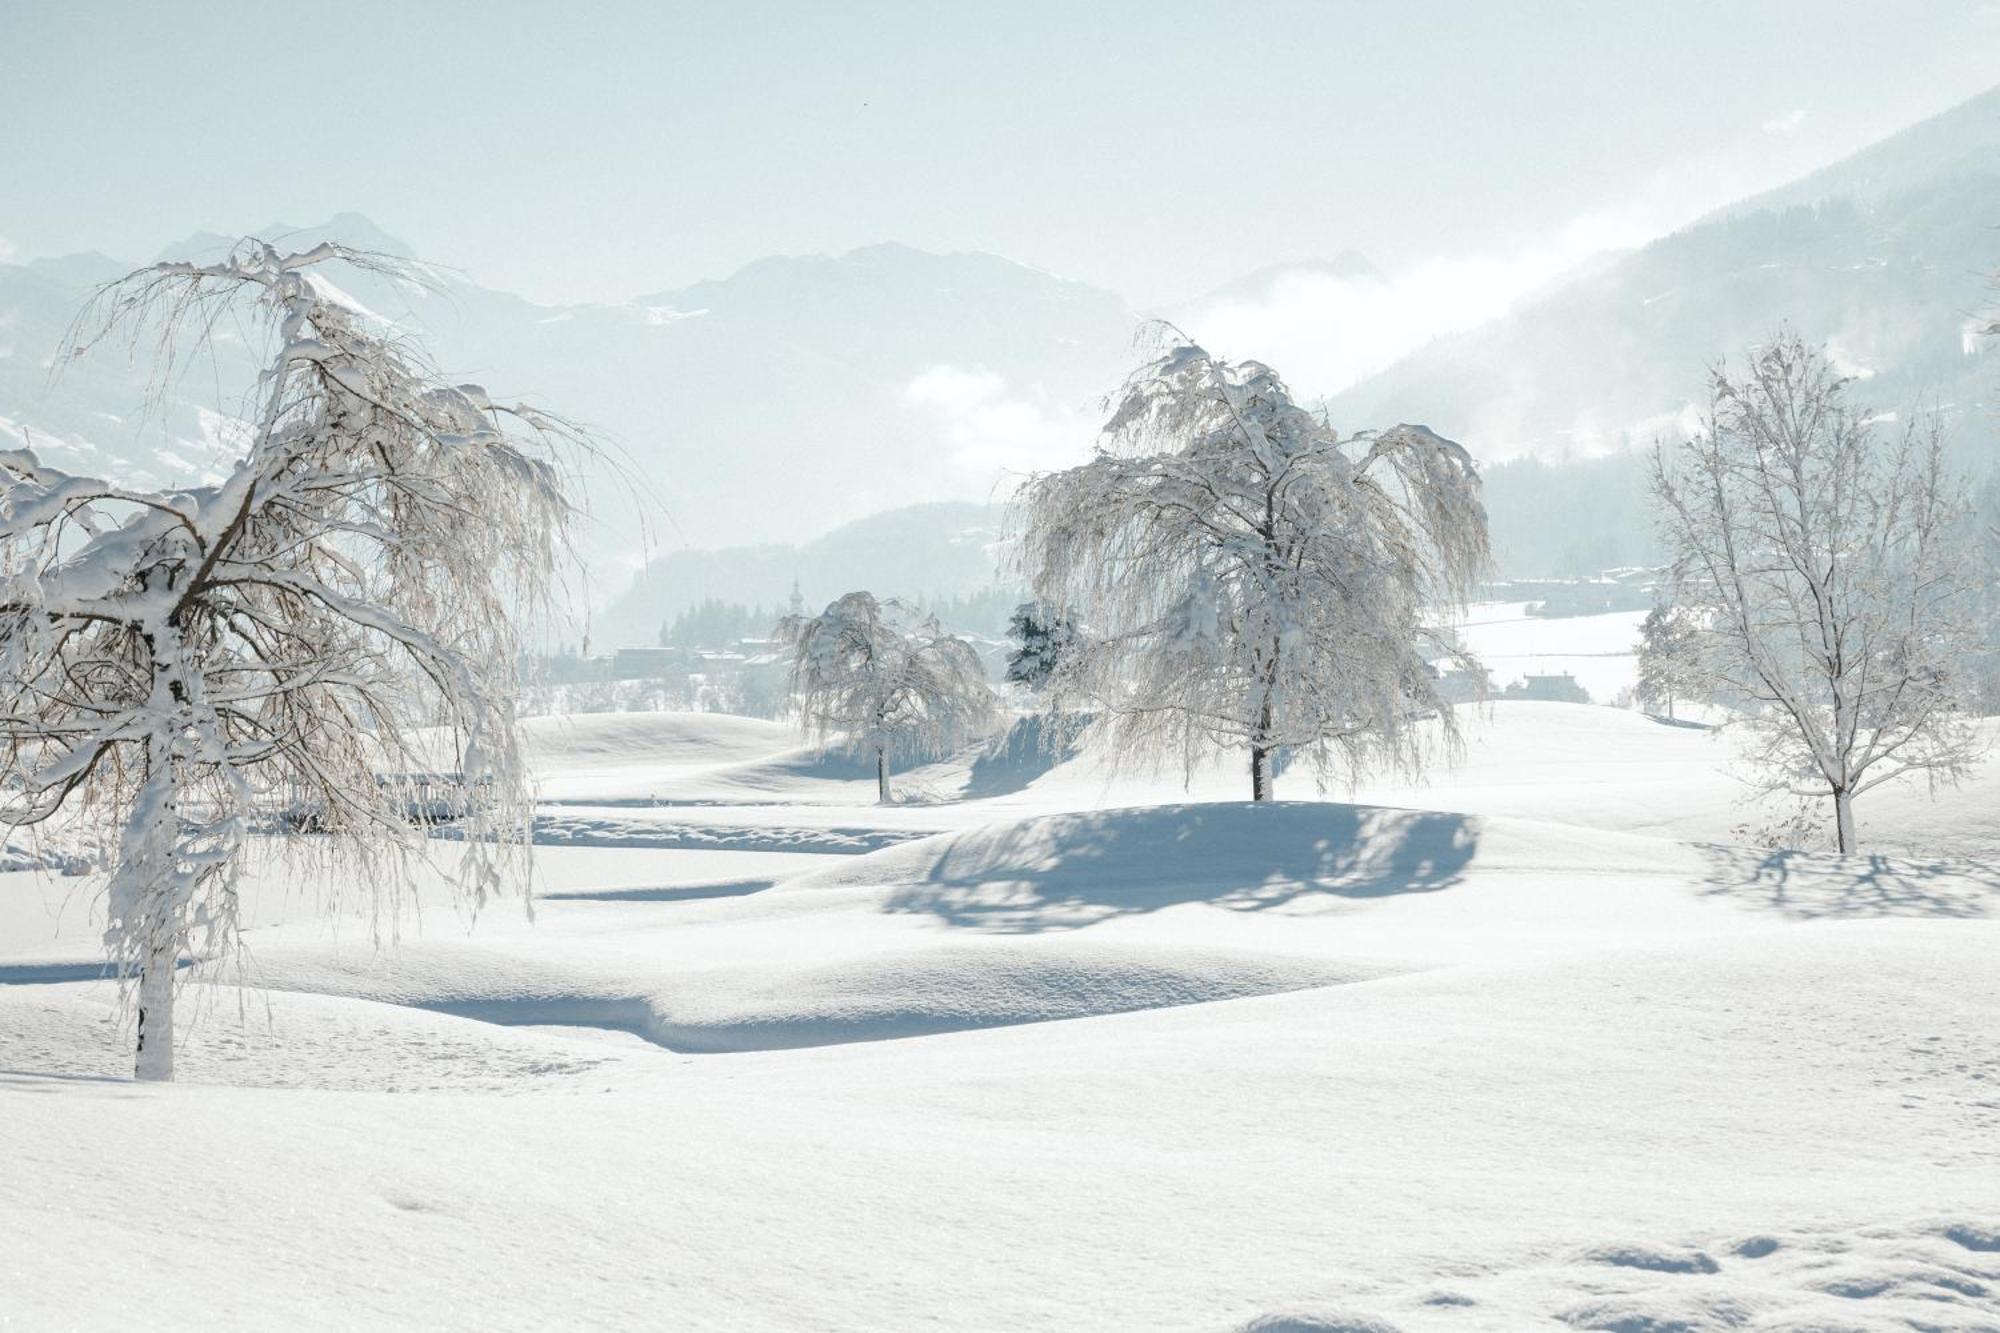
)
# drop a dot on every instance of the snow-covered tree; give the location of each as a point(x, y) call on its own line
point(886, 681)
point(1251, 578)
point(1043, 636)
point(337, 611)
point(1823, 555)
point(1669, 657)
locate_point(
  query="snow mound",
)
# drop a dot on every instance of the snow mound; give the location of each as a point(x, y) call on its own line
point(682, 739)
point(909, 993)
point(882, 991)
point(283, 1040)
point(625, 755)
point(1069, 870)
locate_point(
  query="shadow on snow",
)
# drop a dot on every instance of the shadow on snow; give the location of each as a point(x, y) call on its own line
point(669, 893)
point(1821, 885)
point(1067, 871)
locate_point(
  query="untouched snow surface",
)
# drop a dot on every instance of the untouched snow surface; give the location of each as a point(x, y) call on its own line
point(1534, 1046)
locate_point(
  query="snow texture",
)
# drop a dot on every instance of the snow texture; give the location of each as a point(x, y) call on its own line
point(1534, 1046)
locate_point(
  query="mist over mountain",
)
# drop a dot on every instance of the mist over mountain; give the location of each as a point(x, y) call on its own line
point(1257, 286)
point(757, 419)
point(773, 405)
point(1887, 258)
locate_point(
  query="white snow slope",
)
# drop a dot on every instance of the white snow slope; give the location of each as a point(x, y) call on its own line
point(1535, 1046)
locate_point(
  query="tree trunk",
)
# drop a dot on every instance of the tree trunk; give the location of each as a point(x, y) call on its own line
point(1670, 708)
point(154, 1062)
point(882, 776)
point(1260, 739)
point(1843, 820)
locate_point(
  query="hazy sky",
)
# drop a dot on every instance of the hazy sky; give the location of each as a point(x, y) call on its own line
point(593, 151)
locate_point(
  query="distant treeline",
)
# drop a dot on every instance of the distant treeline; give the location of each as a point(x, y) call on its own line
point(715, 625)
point(1571, 518)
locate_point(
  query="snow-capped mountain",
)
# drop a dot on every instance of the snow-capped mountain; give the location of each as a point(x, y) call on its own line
point(805, 392)
point(1887, 256)
point(772, 405)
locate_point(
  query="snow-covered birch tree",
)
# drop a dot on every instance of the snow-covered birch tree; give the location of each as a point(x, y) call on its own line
point(1251, 578)
point(1823, 552)
point(1669, 657)
point(885, 681)
point(182, 663)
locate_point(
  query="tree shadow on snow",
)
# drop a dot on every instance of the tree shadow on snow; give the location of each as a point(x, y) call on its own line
point(45, 1081)
point(666, 893)
point(1817, 885)
point(1032, 747)
point(1681, 723)
point(56, 974)
point(1068, 871)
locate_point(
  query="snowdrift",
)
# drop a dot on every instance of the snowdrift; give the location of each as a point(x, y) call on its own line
point(1074, 869)
point(593, 755)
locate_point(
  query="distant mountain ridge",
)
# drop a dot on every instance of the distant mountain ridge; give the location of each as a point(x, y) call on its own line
point(1957, 144)
point(799, 393)
point(1257, 284)
point(1886, 257)
point(932, 551)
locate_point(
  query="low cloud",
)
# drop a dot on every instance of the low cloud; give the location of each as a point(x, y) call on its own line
point(1325, 331)
point(1786, 123)
point(989, 427)
point(7, 251)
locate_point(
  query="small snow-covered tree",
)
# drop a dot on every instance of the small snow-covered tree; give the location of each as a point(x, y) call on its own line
point(1043, 636)
point(1824, 557)
point(1669, 657)
point(1251, 578)
point(184, 663)
point(887, 680)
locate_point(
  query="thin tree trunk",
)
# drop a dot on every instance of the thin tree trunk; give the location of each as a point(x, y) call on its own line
point(147, 854)
point(1260, 772)
point(1670, 708)
point(154, 1062)
point(1843, 820)
point(1260, 740)
point(882, 776)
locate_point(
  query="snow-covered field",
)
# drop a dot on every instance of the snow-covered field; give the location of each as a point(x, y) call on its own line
point(1535, 1045)
point(1600, 651)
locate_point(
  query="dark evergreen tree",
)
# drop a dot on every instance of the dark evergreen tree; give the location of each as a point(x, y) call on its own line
point(1042, 635)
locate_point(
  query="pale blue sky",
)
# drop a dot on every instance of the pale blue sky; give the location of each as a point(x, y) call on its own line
point(592, 151)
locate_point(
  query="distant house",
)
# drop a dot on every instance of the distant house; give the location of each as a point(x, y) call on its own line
point(1561, 689)
point(1465, 684)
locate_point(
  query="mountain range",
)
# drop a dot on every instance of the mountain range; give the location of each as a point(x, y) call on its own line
point(1887, 258)
point(755, 415)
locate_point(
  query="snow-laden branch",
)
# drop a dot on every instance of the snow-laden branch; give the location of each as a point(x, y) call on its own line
point(290, 638)
point(1248, 577)
point(885, 681)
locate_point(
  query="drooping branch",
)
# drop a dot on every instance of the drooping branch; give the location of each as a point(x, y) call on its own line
point(1248, 580)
